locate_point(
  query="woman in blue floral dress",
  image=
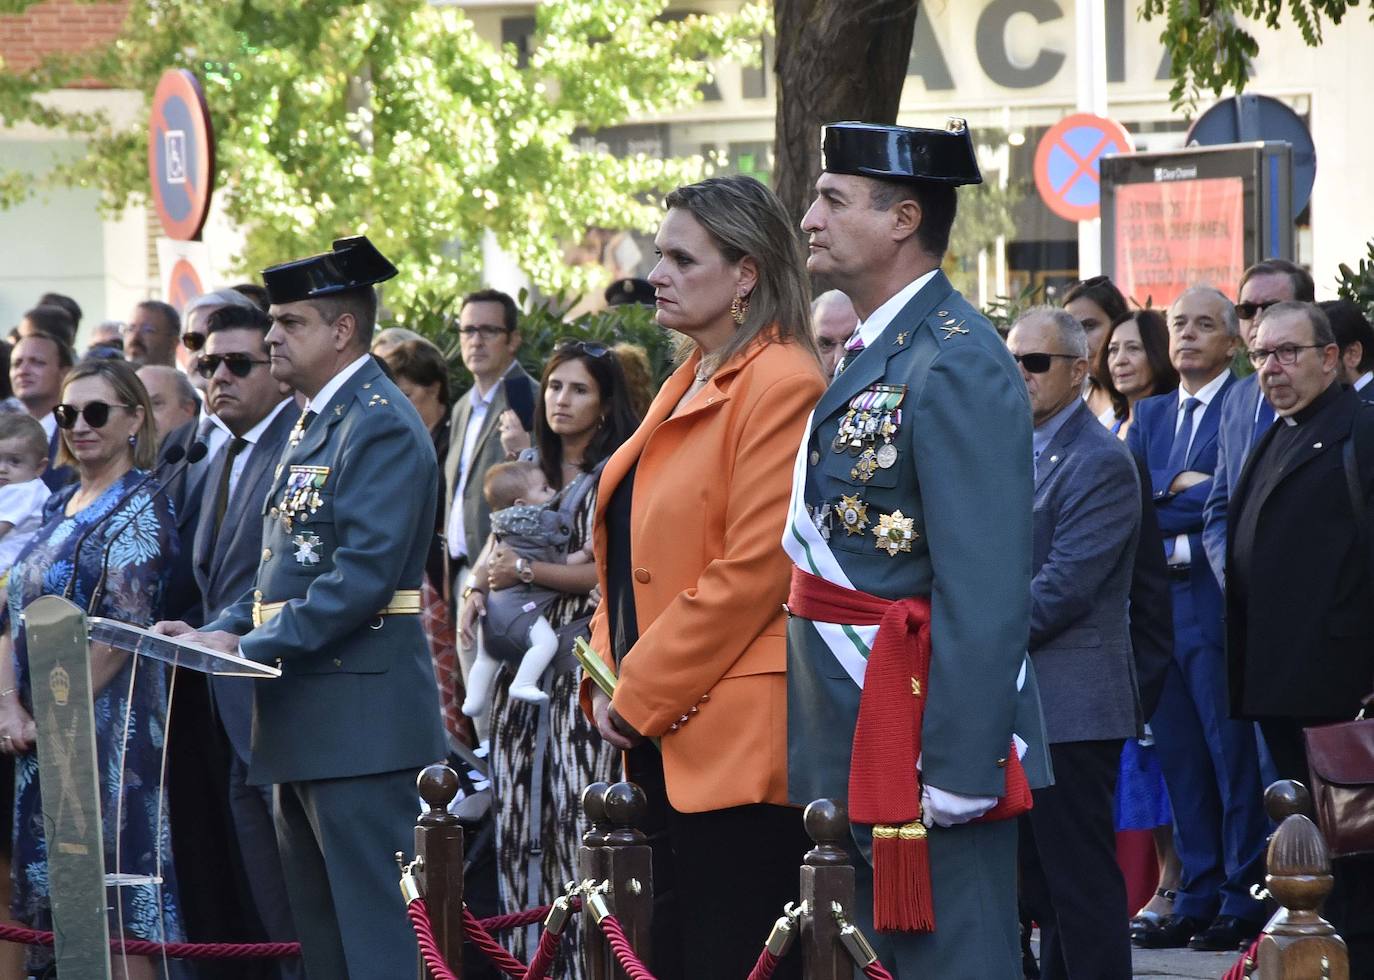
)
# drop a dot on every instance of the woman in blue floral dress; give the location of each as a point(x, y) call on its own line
point(108, 434)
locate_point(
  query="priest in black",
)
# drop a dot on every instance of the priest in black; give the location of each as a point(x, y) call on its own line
point(1299, 593)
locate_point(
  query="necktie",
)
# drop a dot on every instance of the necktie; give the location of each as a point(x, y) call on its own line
point(1178, 453)
point(1263, 419)
point(230, 453)
point(853, 347)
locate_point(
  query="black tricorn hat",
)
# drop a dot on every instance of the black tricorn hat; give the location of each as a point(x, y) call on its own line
point(945, 156)
point(354, 262)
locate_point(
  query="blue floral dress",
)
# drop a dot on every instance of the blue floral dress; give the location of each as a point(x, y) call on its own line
point(141, 559)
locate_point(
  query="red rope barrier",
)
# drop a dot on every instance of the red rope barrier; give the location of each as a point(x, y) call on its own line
point(528, 917)
point(763, 969)
point(424, 936)
point(543, 956)
point(181, 951)
point(876, 971)
point(624, 952)
point(495, 952)
point(1242, 967)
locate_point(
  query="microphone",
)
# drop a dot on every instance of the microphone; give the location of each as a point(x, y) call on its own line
point(194, 455)
point(172, 456)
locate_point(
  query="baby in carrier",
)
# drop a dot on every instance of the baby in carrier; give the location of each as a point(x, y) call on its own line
point(514, 628)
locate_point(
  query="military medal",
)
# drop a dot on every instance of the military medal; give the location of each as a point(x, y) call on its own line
point(820, 516)
point(894, 533)
point(887, 455)
point(301, 496)
point(865, 466)
point(853, 514)
point(307, 549)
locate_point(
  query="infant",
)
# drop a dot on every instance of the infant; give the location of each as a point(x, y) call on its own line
point(23, 457)
point(514, 628)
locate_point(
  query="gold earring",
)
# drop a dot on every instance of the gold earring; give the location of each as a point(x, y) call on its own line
point(739, 309)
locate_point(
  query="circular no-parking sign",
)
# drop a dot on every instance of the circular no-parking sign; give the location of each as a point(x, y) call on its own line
point(185, 285)
point(1066, 163)
point(181, 154)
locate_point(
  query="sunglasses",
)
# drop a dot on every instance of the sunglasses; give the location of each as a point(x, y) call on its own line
point(96, 414)
point(591, 348)
point(1039, 363)
point(193, 341)
point(239, 365)
point(1248, 311)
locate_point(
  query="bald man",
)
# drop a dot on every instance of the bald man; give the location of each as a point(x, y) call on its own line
point(832, 322)
point(174, 400)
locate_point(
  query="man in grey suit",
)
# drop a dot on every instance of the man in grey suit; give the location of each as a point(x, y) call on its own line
point(912, 494)
point(489, 332)
point(1085, 530)
point(346, 528)
point(228, 546)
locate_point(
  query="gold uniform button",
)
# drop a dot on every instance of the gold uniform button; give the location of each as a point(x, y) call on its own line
point(257, 595)
point(266, 554)
point(642, 576)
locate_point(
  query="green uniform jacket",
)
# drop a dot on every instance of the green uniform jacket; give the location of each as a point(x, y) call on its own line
point(347, 523)
point(963, 475)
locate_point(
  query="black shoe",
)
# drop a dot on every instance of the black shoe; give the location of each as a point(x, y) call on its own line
point(1226, 932)
point(1171, 932)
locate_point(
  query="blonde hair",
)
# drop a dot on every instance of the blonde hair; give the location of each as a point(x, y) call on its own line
point(129, 390)
point(22, 426)
point(744, 218)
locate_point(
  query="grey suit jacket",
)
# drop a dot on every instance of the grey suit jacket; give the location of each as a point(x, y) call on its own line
point(1085, 528)
point(486, 454)
point(225, 564)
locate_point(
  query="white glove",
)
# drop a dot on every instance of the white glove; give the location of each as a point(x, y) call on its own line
point(948, 809)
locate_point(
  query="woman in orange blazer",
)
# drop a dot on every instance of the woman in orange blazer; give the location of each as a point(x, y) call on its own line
point(688, 537)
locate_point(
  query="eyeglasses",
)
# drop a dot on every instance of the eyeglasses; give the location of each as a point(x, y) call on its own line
point(1093, 281)
point(1286, 353)
point(1248, 311)
point(486, 331)
point(1039, 363)
point(193, 341)
point(591, 348)
point(96, 414)
point(239, 365)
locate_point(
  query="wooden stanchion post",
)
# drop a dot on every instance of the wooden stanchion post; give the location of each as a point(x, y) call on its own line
point(826, 879)
point(1298, 944)
point(592, 866)
point(439, 848)
point(630, 868)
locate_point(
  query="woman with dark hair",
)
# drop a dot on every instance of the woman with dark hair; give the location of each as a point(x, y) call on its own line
point(542, 755)
point(1133, 363)
point(1097, 304)
point(120, 571)
point(690, 561)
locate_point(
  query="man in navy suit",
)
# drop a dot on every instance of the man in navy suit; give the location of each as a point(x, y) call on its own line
point(1085, 525)
point(1210, 762)
point(228, 545)
point(1245, 416)
point(1355, 338)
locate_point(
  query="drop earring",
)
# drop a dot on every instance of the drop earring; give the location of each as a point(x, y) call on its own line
point(739, 309)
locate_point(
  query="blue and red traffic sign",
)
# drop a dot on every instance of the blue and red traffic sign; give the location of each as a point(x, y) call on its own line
point(181, 154)
point(1066, 163)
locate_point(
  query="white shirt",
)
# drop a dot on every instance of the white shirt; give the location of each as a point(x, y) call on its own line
point(214, 435)
point(251, 437)
point(1363, 380)
point(869, 330)
point(332, 386)
point(455, 532)
point(1183, 552)
point(49, 423)
point(21, 505)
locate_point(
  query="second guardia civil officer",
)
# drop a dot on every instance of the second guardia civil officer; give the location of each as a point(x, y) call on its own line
point(346, 528)
point(910, 694)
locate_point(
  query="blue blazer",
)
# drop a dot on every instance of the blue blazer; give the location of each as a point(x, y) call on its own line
point(1151, 438)
point(1234, 432)
point(225, 564)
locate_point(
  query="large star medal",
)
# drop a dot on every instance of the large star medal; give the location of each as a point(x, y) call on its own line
point(894, 533)
point(853, 514)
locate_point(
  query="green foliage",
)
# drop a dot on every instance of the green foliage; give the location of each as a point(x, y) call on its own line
point(986, 212)
point(1003, 311)
point(1357, 285)
point(394, 118)
point(1211, 50)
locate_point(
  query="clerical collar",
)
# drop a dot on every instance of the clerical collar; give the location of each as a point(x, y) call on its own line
point(1332, 392)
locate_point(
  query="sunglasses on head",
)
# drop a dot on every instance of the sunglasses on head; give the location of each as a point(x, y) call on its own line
point(591, 348)
point(239, 365)
point(193, 341)
point(1248, 311)
point(96, 414)
point(1039, 363)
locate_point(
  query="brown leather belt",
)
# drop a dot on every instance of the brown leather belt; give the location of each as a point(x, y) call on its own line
point(406, 602)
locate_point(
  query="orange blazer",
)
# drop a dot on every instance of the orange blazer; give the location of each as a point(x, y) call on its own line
point(710, 576)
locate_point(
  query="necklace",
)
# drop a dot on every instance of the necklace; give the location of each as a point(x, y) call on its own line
point(706, 368)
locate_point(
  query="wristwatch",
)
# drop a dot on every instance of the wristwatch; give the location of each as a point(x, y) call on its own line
point(525, 570)
point(469, 587)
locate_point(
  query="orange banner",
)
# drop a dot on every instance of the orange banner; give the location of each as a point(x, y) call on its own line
point(1177, 234)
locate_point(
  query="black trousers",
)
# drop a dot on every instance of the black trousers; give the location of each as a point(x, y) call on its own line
point(1070, 881)
point(721, 879)
point(1350, 906)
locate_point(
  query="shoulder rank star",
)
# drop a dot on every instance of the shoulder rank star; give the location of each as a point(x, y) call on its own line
point(853, 514)
point(894, 533)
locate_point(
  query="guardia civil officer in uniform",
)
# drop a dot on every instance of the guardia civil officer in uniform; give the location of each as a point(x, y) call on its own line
point(346, 528)
point(910, 530)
